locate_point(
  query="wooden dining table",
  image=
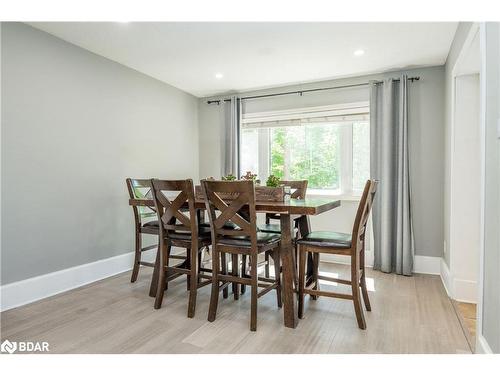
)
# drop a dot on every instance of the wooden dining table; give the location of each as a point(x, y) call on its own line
point(299, 209)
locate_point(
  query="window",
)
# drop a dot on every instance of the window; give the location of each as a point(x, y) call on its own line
point(329, 146)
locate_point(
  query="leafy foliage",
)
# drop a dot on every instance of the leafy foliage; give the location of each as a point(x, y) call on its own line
point(308, 152)
point(273, 181)
point(229, 177)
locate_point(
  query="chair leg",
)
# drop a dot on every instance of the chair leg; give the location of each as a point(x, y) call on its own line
point(266, 267)
point(234, 271)
point(188, 265)
point(365, 292)
point(201, 256)
point(253, 313)
point(160, 289)
point(315, 274)
point(154, 278)
point(277, 274)
point(356, 294)
point(193, 286)
point(225, 291)
point(214, 295)
point(363, 279)
point(137, 258)
point(243, 272)
point(302, 280)
point(295, 259)
point(167, 263)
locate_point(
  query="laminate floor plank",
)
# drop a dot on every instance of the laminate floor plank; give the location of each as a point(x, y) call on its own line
point(409, 315)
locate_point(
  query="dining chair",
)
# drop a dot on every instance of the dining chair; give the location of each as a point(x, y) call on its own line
point(243, 239)
point(351, 245)
point(300, 189)
point(179, 228)
point(224, 261)
point(137, 189)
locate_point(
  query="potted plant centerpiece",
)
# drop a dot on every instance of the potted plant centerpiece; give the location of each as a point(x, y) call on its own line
point(271, 192)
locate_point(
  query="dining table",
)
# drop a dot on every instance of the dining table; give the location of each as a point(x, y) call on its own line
point(290, 210)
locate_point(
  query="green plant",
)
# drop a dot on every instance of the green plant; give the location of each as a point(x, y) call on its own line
point(273, 181)
point(229, 177)
point(249, 176)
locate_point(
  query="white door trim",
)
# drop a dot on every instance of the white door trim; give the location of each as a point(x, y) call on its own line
point(473, 32)
point(482, 346)
point(480, 341)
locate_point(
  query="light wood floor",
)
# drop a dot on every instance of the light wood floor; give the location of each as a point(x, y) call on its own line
point(467, 316)
point(410, 315)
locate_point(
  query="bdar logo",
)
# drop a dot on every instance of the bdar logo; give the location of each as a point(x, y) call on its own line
point(8, 347)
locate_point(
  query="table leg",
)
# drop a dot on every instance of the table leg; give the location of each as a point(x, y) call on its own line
point(287, 259)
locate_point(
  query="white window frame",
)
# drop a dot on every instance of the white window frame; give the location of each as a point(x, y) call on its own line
point(348, 112)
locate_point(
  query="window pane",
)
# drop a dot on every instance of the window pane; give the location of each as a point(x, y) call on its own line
point(249, 151)
point(310, 152)
point(360, 155)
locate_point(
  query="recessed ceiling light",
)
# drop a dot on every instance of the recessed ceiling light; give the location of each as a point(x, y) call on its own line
point(359, 52)
point(219, 75)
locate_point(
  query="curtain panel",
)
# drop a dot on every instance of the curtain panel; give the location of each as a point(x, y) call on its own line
point(389, 159)
point(231, 137)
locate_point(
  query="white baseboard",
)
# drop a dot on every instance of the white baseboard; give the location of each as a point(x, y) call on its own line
point(465, 290)
point(338, 259)
point(422, 264)
point(458, 289)
point(30, 290)
point(482, 346)
point(427, 265)
point(446, 278)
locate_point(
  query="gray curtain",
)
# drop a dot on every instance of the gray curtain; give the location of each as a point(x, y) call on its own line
point(393, 232)
point(231, 137)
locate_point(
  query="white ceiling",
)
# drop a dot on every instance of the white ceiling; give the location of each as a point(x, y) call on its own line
point(258, 55)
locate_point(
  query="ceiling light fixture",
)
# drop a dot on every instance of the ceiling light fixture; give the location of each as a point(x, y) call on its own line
point(219, 75)
point(359, 52)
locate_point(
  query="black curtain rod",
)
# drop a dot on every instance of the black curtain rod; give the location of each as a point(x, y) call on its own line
point(300, 92)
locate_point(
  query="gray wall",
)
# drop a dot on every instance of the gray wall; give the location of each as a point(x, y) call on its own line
point(426, 146)
point(491, 280)
point(74, 126)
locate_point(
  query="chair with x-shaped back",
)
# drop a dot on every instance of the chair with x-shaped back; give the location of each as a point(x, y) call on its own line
point(180, 230)
point(140, 189)
point(224, 202)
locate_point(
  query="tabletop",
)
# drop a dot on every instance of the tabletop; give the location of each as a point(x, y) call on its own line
point(308, 206)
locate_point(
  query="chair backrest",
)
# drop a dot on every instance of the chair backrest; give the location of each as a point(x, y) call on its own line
point(171, 197)
point(363, 213)
point(138, 189)
point(221, 212)
point(300, 187)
